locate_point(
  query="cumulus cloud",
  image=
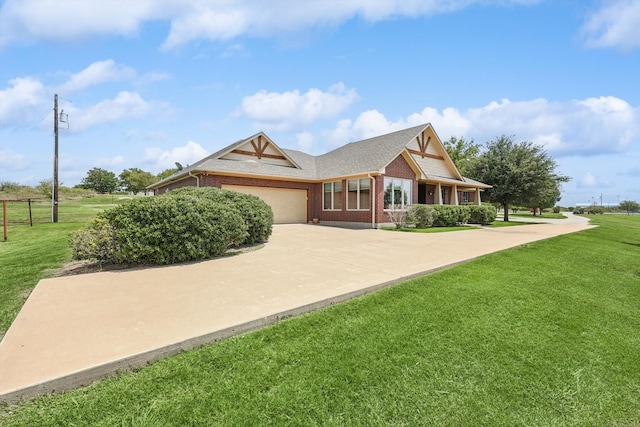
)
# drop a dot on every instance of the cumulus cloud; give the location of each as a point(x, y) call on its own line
point(126, 105)
point(12, 160)
point(305, 141)
point(615, 25)
point(161, 159)
point(190, 20)
point(282, 111)
point(579, 127)
point(26, 20)
point(26, 100)
point(22, 101)
point(96, 73)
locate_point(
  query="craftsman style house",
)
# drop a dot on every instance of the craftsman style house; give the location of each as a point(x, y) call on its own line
point(354, 185)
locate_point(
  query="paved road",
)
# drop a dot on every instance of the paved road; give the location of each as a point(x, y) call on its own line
point(75, 329)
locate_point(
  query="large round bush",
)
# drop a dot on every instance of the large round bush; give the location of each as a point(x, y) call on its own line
point(256, 213)
point(187, 225)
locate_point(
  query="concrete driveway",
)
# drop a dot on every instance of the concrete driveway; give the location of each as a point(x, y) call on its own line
point(75, 329)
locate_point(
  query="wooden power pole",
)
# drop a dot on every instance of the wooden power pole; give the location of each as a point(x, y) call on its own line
point(54, 196)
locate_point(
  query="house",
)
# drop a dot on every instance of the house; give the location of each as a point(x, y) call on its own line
point(354, 185)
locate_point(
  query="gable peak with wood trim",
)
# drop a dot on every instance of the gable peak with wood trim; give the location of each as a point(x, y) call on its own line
point(258, 148)
point(428, 152)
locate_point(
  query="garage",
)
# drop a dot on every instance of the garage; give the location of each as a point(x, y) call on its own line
point(289, 206)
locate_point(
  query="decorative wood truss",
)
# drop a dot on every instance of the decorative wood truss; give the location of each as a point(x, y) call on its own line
point(259, 146)
point(423, 142)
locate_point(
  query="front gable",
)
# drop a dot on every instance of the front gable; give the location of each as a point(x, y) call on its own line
point(427, 151)
point(258, 149)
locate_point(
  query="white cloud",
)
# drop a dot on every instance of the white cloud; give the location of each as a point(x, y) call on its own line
point(12, 160)
point(27, 20)
point(126, 105)
point(161, 159)
point(26, 100)
point(22, 101)
point(305, 141)
point(281, 111)
point(96, 73)
point(615, 25)
point(579, 127)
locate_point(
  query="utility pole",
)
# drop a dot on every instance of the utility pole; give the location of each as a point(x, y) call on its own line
point(54, 196)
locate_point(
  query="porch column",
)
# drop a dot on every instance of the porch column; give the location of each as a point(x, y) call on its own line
point(478, 202)
point(438, 198)
point(455, 195)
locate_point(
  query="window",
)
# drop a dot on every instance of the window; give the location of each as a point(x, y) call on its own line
point(444, 195)
point(358, 191)
point(397, 193)
point(332, 195)
point(465, 197)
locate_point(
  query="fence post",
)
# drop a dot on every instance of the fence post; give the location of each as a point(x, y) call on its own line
point(4, 218)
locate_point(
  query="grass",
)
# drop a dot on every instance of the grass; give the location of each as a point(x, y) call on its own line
point(30, 251)
point(544, 334)
point(495, 224)
point(546, 215)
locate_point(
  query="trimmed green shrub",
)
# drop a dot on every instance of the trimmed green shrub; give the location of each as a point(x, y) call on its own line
point(448, 215)
point(161, 230)
point(421, 216)
point(256, 213)
point(483, 215)
point(556, 209)
point(95, 241)
point(168, 230)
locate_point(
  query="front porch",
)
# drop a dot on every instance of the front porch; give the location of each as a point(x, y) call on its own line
point(438, 193)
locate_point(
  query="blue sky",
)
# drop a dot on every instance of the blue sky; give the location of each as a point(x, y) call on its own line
point(147, 83)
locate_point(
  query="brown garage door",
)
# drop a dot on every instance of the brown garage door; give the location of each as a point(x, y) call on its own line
point(289, 206)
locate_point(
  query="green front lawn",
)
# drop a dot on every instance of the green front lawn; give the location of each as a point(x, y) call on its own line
point(544, 334)
point(546, 215)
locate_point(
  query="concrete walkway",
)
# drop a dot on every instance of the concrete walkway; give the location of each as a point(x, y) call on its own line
point(76, 329)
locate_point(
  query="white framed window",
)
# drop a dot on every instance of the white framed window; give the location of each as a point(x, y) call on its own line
point(465, 197)
point(332, 196)
point(358, 194)
point(397, 193)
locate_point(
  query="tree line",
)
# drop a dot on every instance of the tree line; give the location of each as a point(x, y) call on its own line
point(133, 180)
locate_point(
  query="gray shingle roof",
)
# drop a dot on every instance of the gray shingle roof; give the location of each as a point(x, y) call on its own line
point(366, 156)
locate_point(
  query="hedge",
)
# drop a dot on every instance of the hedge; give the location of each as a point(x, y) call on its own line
point(256, 213)
point(424, 216)
point(483, 215)
point(421, 216)
point(189, 224)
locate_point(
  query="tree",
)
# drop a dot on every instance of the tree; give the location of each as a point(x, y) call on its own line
point(462, 153)
point(166, 173)
point(547, 198)
point(100, 180)
point(519, 173)
point(629, 206)
point(45, 188)
point(136, 180)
